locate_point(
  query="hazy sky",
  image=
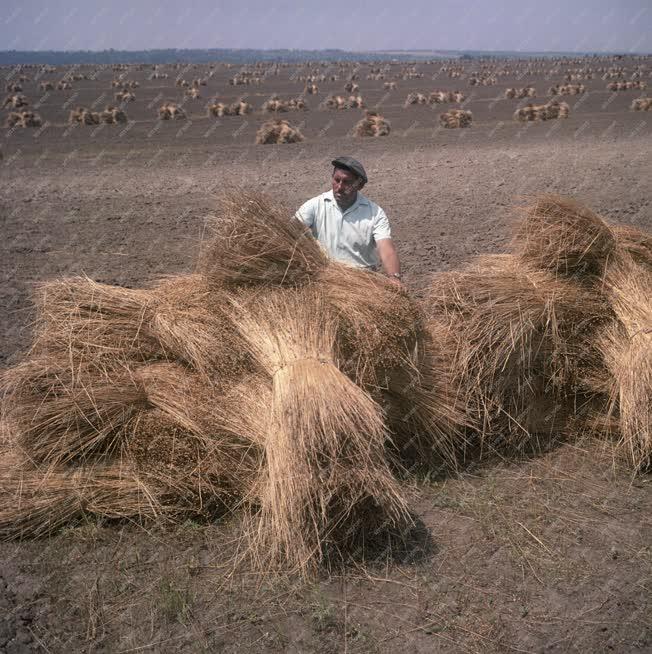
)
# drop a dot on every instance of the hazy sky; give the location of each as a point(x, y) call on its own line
point(528, 25)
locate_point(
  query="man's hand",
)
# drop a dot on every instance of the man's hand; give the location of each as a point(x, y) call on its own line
point(395, 281)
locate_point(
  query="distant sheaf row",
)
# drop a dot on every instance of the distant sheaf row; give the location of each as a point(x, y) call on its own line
point(110, 116)
point(371, 125)
point(551, 110)
point(481, 72)
point(23, 119)
point(340, 102)
point(486, 75)
point(626, 86)
point(435, 97)
point(607, 67)
point(566, 89)
point(525, 92)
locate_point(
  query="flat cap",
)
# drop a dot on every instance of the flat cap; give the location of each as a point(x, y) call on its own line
point(351, 164)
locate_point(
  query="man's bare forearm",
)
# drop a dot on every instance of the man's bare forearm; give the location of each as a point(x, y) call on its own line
point(389, 256)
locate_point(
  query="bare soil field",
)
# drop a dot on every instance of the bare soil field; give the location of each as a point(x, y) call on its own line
point(550, 553)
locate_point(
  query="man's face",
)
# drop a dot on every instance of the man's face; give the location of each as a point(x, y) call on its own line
point(345, 186)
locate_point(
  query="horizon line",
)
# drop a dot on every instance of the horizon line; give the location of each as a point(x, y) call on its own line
point(380, 51)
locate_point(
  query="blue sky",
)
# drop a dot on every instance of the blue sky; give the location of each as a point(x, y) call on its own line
point(527, 25)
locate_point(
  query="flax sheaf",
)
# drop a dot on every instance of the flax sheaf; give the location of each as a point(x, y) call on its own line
point(326, 473)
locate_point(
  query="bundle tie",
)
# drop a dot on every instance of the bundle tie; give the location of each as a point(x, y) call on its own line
point(295, 361)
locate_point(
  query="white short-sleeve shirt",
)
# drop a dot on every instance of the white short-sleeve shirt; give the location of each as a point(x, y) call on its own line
point(349, 236)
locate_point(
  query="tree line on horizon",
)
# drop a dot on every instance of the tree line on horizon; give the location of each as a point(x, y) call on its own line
point(237, 56)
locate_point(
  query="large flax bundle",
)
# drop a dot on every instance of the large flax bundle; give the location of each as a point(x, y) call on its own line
point(207, 437)
point(37, 502)
point(377, 325)
point(187, 319)
point(636, 243)
point(563, 236)
point(256, 243)
point(179, 318)
point(207, 477)
point(191, 441)
point(77, 389)
point(70, 398)
point(380, 336)
point(383, 345)
point(79, 316)
point(292, 389)
point(524, 337)
point(626, 347)
point(424, 408)
point(326, 474)
point(62, 411)
point(168, 381)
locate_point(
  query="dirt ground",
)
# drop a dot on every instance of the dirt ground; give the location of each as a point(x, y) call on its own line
point(547, 554)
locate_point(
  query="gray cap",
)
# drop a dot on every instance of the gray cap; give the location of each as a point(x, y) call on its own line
point(351, 164)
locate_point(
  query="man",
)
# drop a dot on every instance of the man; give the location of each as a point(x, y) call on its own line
point(350, 227)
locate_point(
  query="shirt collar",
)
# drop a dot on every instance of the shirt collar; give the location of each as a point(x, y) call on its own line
point(361, 199)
